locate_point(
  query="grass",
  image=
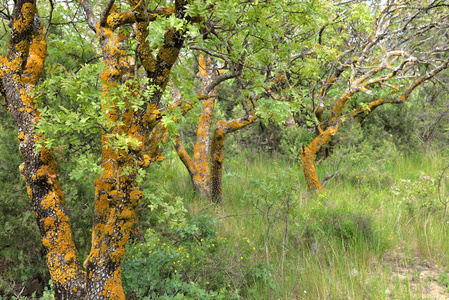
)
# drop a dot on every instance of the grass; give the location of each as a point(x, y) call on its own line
point(363, 237)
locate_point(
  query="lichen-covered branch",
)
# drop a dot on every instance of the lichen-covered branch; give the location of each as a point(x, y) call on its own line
point(361, 113)
point(184, 156)
point(402, 42)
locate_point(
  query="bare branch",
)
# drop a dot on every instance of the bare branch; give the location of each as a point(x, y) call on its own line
point(49, 18)
point(91, 21)
point(105, 13)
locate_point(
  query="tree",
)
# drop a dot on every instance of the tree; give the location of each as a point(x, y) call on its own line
point(207, 178)
point(127, 122)
point(377, 65)
point(256, 50)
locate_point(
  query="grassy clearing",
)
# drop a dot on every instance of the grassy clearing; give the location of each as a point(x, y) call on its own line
point(376, 232)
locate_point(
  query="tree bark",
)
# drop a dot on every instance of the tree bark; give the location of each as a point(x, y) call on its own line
point(222, 128)
point(308, 156)
point(19, 73)
point(199, 167)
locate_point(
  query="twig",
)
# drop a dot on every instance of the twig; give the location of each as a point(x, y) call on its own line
point(284, 239)
point(87, 61)
point(328, 177)
point(251, 214)
point(105, 13)
point(330, 278)
point(439, 192)
point(49, 18)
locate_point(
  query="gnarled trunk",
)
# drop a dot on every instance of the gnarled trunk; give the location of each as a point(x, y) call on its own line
point(19, 73)
point(308, 156)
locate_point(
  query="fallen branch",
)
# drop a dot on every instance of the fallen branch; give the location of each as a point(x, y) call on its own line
point(328, 177)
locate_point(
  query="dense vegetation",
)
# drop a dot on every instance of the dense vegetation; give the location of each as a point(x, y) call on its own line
point(376, 227)
point(236, 210)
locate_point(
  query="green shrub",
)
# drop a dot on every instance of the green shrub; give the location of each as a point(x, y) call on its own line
point(292, 139)
point(418, 195)
point(193, 262)
point(361, 158)
point(343, 224)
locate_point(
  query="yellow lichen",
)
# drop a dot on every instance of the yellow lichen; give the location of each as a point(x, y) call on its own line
point(69, 256)
point(46, 156)
point(46, 242)
point(135, 197)
point(23, 46)
point(127, 214)
point(35, 63)
point(49, 223)
point(21, 137)
point(28, 11)
point(48, 202)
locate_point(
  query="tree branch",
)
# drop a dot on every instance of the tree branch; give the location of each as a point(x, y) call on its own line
point(49, 18)
point(91, 21)
point(105, 13)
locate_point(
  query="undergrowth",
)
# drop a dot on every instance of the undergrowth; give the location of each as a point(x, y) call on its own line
point(333, 244)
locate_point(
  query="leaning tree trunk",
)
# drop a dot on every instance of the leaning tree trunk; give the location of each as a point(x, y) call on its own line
point(308, 156)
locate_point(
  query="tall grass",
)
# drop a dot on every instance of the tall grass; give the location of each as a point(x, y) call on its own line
point(345, 242)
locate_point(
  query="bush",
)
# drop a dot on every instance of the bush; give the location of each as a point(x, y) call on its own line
point(362, 156)
point(342, 224)
point(418, 195)
point(292, 139)
point(193, 262)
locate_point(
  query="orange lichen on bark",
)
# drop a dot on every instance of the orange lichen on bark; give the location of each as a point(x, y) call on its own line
point(308, 156)
point(48, 202)
point(58, 242)
point(21, 137)
point(339, 105)
point(136, 196)
point(21, 24)
point(36, 59)
point(49, 223)
point(110, 290)
point(23, 46)
point(222, 128)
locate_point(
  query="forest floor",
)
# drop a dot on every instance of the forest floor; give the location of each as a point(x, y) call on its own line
point(420, 274)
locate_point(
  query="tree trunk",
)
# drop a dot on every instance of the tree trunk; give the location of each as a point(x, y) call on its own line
point(222, 128)
point(199, 167)
point(117, 192)
point(19, 73)
point(308, 156)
